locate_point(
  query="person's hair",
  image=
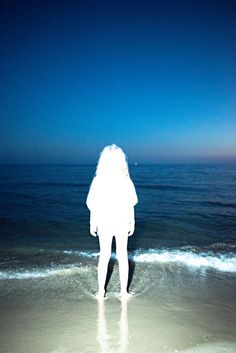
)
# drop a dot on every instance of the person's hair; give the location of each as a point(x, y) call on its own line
point(112, 162)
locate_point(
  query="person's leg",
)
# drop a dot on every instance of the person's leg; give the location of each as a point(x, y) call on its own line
point(105, 243)
point(122, 256)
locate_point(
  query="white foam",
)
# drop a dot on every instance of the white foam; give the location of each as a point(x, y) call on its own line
point(40, 273)
point(88, 254)
point(225, 262)
point(221, 262)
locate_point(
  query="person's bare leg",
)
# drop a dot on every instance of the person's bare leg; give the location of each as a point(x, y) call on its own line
point(122, 256)
point(105, 243)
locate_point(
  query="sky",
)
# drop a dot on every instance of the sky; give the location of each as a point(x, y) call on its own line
point(158, 78)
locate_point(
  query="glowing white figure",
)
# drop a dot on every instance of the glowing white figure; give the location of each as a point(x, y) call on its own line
point(111, 200)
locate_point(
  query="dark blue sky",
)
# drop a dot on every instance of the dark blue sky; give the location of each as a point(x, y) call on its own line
point(156, 77)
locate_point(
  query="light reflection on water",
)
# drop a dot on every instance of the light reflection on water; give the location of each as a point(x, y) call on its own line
point(104, 337)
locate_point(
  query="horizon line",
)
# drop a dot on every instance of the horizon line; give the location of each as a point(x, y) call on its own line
point(133, 163)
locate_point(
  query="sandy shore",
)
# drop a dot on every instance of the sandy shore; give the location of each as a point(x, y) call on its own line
point(178, 311)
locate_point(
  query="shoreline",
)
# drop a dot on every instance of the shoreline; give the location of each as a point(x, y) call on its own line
point(172, 311)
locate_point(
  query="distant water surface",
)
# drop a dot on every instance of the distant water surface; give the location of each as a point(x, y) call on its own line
point(186, 213)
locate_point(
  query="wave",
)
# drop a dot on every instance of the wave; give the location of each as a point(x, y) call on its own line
point(219, 257)
point(60, 184)
point(218, 261)
point(219, 204)
point(162, 187)
point(188, 256)
point(89, 254)
point(16, 194)
point(41, 273)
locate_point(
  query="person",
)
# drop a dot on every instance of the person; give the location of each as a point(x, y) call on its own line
point(111, 200)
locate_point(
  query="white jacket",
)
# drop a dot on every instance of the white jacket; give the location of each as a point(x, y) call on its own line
point(111, 202)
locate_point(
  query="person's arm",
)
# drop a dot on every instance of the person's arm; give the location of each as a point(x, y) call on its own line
point(91, 198)
point(133, 199)
point(91, 204)
point(131, 223)
point(93, 224)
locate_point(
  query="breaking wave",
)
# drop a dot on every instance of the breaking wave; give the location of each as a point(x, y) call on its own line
point(218, 261)
point(41, 273)
point(219, 257)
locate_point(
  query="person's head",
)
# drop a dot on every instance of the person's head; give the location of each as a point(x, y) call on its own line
point(112, 162)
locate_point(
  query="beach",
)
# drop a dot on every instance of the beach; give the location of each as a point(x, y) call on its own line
point(118, 124)
point(173, 309)
point(182, 263)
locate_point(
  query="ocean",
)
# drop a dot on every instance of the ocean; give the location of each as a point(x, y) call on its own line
point(182, 260)
point(186, 215)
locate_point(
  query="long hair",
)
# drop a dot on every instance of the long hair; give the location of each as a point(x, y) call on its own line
point(112, 162)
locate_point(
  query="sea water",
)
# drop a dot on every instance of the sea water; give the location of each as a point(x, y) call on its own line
point(186, 216)
point(182, 263)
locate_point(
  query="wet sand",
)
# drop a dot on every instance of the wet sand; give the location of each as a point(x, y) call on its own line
point(173, 310)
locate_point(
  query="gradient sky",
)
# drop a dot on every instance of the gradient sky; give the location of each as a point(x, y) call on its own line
point(156, 77)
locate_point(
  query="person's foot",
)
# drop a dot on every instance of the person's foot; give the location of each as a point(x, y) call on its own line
point(100, 295)
point(124, 295)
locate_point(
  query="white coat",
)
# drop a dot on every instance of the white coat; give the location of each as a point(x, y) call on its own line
point(111, 203)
